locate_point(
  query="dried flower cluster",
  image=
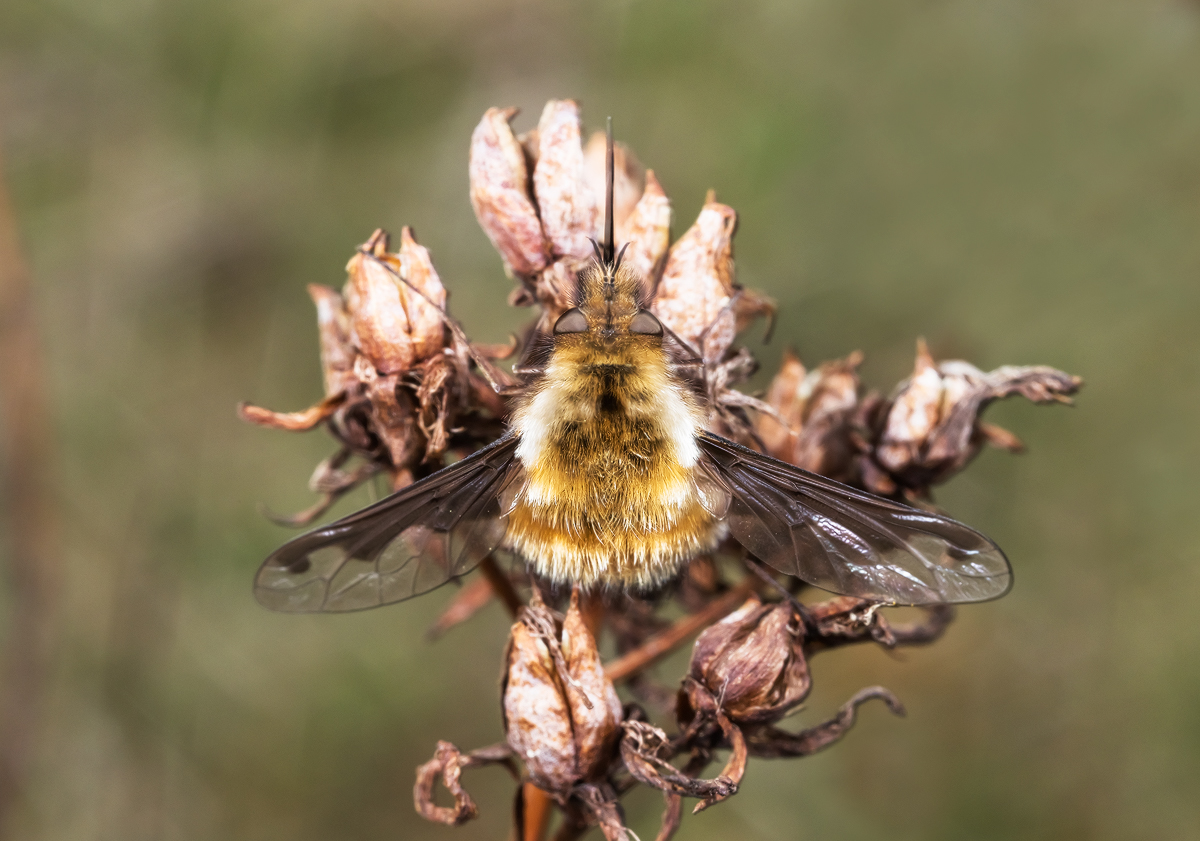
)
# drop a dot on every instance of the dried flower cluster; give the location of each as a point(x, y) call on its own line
point(403, 386)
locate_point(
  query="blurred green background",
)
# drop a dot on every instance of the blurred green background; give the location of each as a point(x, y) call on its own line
point(1018, 181)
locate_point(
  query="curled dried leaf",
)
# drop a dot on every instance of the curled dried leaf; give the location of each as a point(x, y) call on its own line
point(292, 421)
point(448, 764)
point(773, 742)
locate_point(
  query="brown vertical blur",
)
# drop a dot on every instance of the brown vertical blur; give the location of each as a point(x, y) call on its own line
point(27, 509)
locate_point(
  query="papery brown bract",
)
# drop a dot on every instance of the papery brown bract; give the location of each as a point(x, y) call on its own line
point(647, 230)
point(500, 194)
point(595, 707)
point(698, 279)
point(570, 211)
point(379, 321)
point(537, 716)
point(333, 328)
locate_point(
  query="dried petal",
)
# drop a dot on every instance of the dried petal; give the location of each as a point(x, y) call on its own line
point(500, 194)
point(913, 415)
point(598, 726)
point(537, 716)
point(648, 232)
point(381, 327)
point(333, 327)
point(425, 310)
point(292, 421)
point(698, 280)
point(571, 213)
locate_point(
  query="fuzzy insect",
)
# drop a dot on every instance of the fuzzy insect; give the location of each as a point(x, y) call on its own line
point(607, 477)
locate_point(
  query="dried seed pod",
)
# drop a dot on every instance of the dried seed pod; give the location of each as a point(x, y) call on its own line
point(932, 429)
point(500, 194)
point(753, 662)
point(698, 279)
point(648, 232)
point(571, 213)
point(818, 407)
point(562, 714)
point(537, 716)
point(379, 319)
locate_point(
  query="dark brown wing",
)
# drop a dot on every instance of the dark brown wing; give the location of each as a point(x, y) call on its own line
point(417, 539)
point(849, 541)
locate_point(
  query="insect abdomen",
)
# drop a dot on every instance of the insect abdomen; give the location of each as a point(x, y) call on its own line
point(610, 496)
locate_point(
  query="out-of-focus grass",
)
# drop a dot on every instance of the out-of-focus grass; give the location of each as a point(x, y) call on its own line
point(1017, 181)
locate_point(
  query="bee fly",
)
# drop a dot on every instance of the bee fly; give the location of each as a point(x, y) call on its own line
point(607, 477)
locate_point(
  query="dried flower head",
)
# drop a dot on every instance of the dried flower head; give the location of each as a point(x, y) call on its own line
point(404, 386)
point(931, 429)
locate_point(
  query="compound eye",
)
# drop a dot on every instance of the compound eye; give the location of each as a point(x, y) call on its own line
point(646, 324)
point(571, 321)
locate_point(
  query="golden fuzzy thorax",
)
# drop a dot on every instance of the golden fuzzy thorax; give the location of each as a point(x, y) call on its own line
point(608, 445)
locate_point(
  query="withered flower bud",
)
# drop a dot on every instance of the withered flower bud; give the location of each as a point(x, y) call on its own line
point(537, 716)
point(933, 429)
point(570, 211)
point(500, 194)
point(752, 662)
point(396, 303)
point(562, 715)
point(818, 407)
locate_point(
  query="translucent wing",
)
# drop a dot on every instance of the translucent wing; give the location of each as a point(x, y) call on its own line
point(415, 540)
point(849, 541)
